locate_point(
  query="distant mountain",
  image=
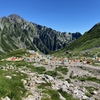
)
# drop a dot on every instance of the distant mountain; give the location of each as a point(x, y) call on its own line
point(90, 39)
point(76, 35)
point(15, 33)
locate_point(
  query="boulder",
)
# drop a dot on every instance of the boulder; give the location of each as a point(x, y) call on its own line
point(66, 83)
point(94, 92)
point(24, 81)
point(9, 77)
point(64, 88)
point(39, 81)
point(75, 91)
point(6, 98)
point(84, 97)
point(91, 98)
point(55, 87)
point(50, 78)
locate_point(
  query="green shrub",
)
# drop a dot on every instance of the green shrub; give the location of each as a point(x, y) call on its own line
point(89, 78)
point(90, 89)
point(66, 95)
point(54, 94)
point(88, 94)
point(51, 73)
point(69, 81)
point(62, 70)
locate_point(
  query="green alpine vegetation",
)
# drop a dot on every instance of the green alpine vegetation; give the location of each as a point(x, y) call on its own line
point(13, 88)
point(90, 39)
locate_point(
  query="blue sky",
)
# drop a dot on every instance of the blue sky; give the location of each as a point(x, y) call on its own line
point(61, 15)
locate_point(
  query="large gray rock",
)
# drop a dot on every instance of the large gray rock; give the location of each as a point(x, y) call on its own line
point(94, 92)
point(9, 77)
point(66, 83)
point(84, 97)
point(55, 87)
point(24, 81)
point(6, 98)
point(91, 98)
point(50, 78)
point(80, 94)
point(64, 88)
point(39, 81)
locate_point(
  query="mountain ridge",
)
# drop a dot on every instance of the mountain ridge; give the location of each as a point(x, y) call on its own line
point(89, 40)
point(15, 33)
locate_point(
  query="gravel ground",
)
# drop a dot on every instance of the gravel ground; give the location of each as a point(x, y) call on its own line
point(81, 70)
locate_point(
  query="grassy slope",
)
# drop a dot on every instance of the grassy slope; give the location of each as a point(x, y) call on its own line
point(16, 53)
point(13, 88)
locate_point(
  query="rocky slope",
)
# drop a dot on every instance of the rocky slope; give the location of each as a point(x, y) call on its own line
point(15, 33)
point(43, 86)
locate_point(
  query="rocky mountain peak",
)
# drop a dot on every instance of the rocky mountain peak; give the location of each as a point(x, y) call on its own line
point(30, 35)
point(15, 17)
